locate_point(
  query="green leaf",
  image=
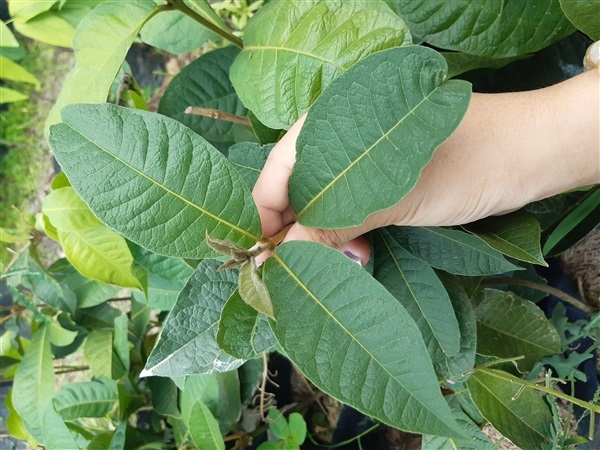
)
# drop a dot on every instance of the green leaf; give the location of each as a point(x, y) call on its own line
point(101, 43)
point(14, 424)
point(249, 159)
point(575, 226)
point(24, 10)
point(33, 385)
point(509, 326)
point(584, 15)
point(525, 418)
point(228, 407)
point(187, 344)
point(459, 63)
point(415, 285)
point(98, 350)
point(358, 343)
point(253, 291)
point(294, 50)
point(297, 428)
point(141, 170)
point(250, 374)
point(87, 291)
point(204, 387)
point(175, 32)
point(476, 440)
point(487, 28)
point(264, 134)
point(451, 250)
point(164, 396)
point(7, 38)
point(8, 95)
point(12, 236)
point(278, 425)
point(204, 428)
point(121, 341)
point(369, 135)
point(86, 399)
point(10, 70)
point(456, 368)
point(59, 336)
point(56, 434)
point(516, 235)
point(95, 250)
point(48, 27)
point(117, 442)
point(205, 83)
point(243, 333)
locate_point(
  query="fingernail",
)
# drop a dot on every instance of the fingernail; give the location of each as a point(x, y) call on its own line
point(592, 56)
point(352, 256)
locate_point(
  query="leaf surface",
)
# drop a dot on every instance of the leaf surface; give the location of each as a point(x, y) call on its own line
point(33, 386)
point(451, 250)
point(476, 440)
point(352, 339)
point(415, 285)
point(153, 180)
point(294, 50)
point(485, 27)
point(7, 38)
point(85, 399)
point(459, 63)
point(367, 138)
point(249, 159)
point(100, 44)
point(524, 419)
point(516, 235)
point(509, 326)
point(243, 332)
point(204, 428)
point(188, 341)
point(10, 70)
point(205, 83)
point(584, 15)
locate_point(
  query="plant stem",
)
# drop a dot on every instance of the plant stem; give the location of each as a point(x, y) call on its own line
point(538, 287)
point(181, 6)
point(217, 115)
point(527, 384)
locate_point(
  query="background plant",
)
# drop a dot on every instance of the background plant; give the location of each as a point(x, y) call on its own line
point(156, 203)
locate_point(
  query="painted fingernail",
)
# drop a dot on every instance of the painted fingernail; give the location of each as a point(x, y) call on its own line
point(352, 256)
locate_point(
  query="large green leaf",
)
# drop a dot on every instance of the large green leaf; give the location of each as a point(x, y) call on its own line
point(203, 387)
point(99, 352)
point(416, 286)
point(56, 434)
point(205, 83)
point(188, 341)
point(33, 386)
point(86, 399)
point(369, 135)
point(459, 63)
point(495, 28)
point(24, 10)
point(451, 250)
point(243, 332)
point(584, 14)
point(48, 27)
point(175, 32)
point(7, 38)
point(101, 43)
point(476, 440)
point(87, 291)
point(456, 367)
point(509, 326)
point(249, 159)
point(204, 428)
point(164, 396)
point(153, 180)
point(95, 250)
point(10, 70)
point(522, 416)
point(353, 340)
point(294, 50)
point(516, 235)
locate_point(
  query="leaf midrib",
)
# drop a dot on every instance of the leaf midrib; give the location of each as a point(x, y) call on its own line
point(366, 152)
point(292, 50)
point(316, 300)
point(166, 189)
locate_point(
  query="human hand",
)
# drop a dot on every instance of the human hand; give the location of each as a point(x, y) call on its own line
point(481, 170)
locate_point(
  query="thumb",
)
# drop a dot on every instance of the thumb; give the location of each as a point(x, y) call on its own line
point(347, 240)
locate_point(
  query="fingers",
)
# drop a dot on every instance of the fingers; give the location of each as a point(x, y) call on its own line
point(271, 190)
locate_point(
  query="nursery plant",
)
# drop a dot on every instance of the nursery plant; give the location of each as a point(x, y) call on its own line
point(437, 335)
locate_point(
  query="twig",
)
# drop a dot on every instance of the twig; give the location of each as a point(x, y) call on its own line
point(181, 6)
point(6, 318)
point(263, 386)
point(73, 369)
point(15, 257)
point(538, 287)
point(217, 115)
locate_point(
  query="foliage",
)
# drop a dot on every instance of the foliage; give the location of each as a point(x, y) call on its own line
point(155, 214)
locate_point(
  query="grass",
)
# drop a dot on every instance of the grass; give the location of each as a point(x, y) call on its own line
point(26, 167)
